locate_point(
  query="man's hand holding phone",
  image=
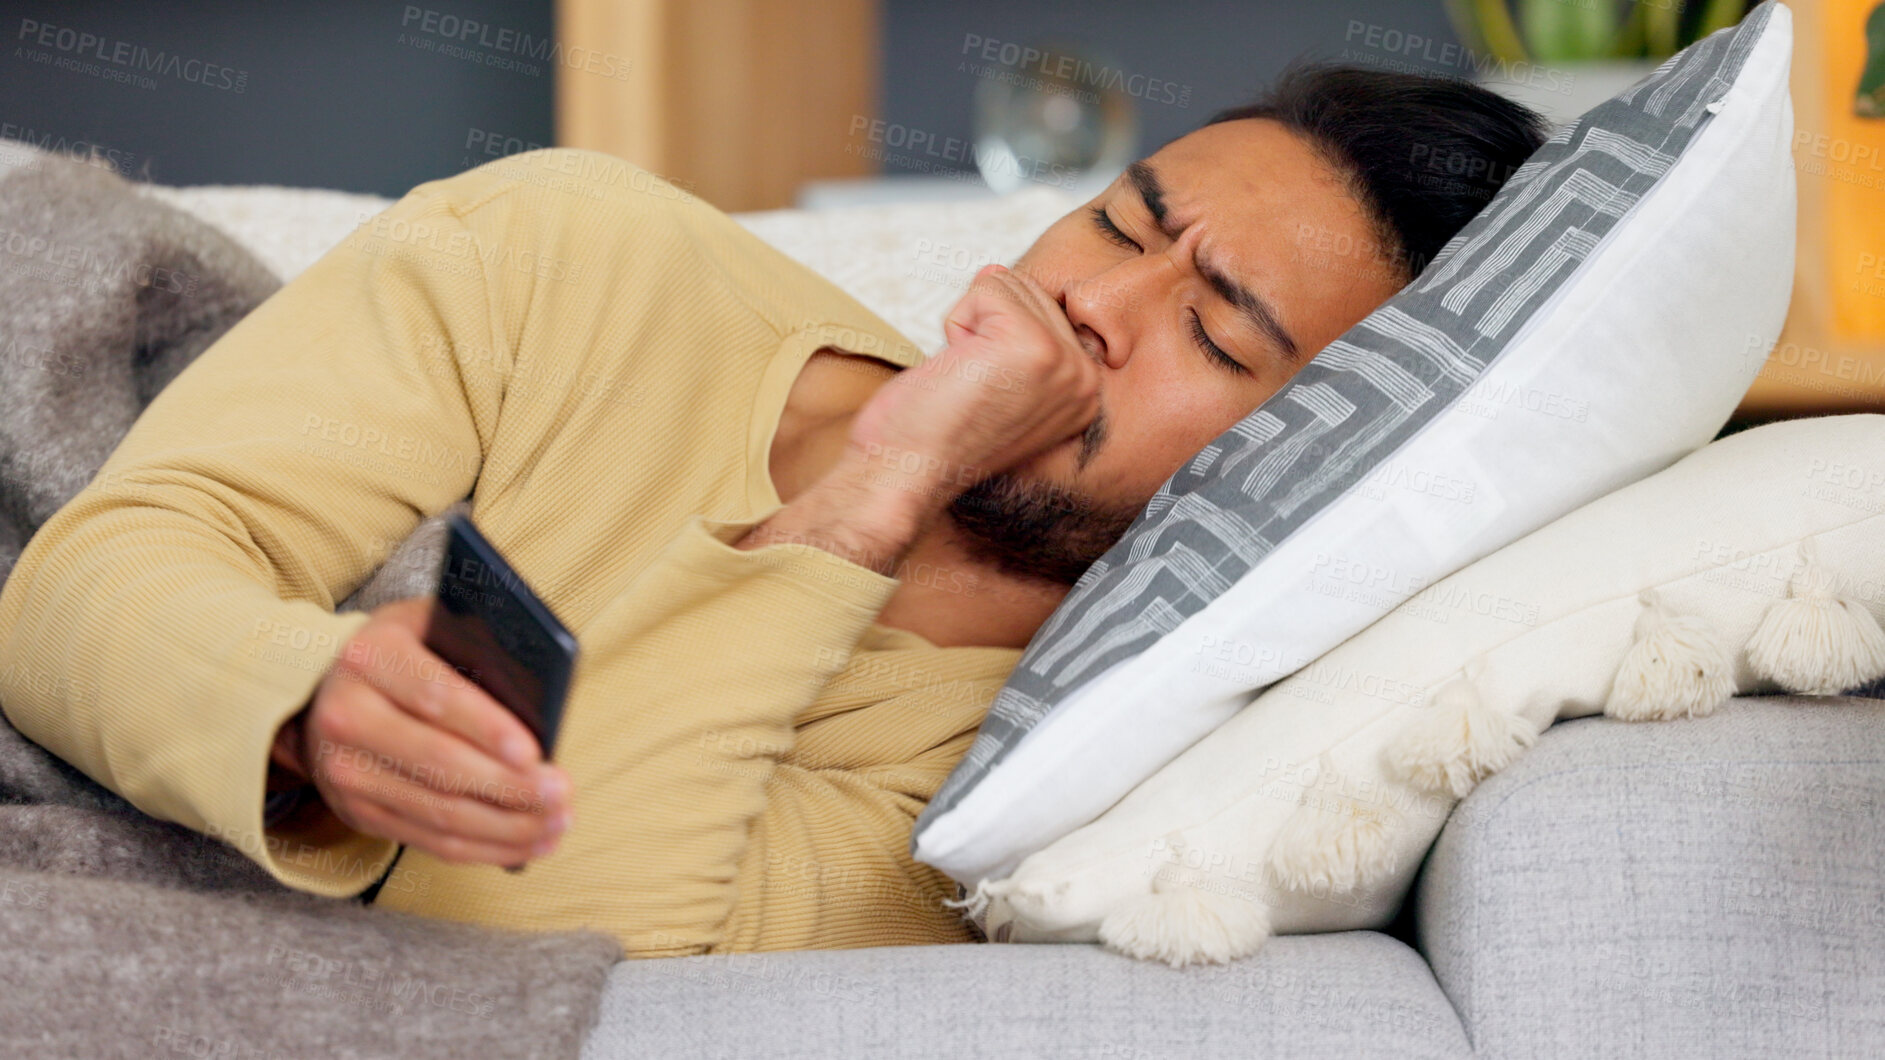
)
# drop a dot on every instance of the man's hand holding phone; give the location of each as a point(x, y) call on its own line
point(402, 746)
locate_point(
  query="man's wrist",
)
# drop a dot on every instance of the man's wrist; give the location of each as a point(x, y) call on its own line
point(287, 759)
point(895, 502)
point(849, 513)
point(916, 484)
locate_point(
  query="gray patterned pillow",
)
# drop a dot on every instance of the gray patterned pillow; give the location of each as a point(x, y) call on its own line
point(1599, 319)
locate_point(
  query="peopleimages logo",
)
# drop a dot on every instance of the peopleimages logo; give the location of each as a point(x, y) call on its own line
point(134, 57)
point(1386, 40)
point(461, 33)
point(914, 148)
point(1059, 69)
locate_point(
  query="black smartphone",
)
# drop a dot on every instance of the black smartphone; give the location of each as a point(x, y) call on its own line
point(496, 632)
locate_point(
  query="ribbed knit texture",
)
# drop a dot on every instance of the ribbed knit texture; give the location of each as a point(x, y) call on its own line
point(600, 362)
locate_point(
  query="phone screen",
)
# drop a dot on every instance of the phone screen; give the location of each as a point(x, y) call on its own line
point(496, 632)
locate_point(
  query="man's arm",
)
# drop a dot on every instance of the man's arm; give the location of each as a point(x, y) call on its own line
point(682, 732)
point(180, 608)
point(855, 512)
point(696, 677)
point(852, 513)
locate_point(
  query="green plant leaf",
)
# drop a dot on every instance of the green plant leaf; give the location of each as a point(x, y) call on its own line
point(1720, 14)
point(1664, 25)
point(1591, 26)
point(1568, 30)
point(1542, 23)
point(1460, 13)
point(1630, 38)
point(1498, 31)
point(1869, 101)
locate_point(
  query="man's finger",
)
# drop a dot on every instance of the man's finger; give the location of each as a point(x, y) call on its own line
point(425, 686)
point(375, 819)
point(1032, 293)
point(964, 317)
point(405, 746)
point(519, 829)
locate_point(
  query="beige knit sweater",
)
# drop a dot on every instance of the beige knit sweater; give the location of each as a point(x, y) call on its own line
point(600, 362)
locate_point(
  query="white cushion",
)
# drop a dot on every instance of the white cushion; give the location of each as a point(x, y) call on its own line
point(1536, 631)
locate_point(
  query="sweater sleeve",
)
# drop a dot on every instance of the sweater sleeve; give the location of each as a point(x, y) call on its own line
point(161, 626)
point(686, 696)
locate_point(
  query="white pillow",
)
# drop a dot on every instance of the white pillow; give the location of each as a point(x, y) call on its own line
point(1599, 319)
point(1312, 808)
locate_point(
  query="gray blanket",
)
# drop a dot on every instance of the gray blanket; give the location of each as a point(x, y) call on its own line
point(125, 936)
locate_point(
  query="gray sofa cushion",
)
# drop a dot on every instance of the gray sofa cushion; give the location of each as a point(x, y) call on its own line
point(1353, 995)
point(1709, 887)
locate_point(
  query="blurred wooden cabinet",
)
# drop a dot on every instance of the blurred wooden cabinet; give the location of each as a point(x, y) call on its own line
point(739, 101)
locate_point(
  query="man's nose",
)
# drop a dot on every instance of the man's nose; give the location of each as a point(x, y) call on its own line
point(1103, 308)
point(1090, 340)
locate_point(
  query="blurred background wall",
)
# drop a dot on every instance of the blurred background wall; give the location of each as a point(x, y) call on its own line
point(332, 93)
point(366, 95)
point(758, 104)
point(1185, 60)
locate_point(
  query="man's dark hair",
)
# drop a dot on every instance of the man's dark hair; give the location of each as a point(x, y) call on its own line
point(1422, 153)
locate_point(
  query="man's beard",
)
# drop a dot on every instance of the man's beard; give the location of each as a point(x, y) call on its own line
point(1030, 528)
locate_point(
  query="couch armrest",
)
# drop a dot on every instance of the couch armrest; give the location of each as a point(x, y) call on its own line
point(1705, 887)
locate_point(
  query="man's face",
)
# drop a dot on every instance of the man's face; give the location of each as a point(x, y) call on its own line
point(1249, 212)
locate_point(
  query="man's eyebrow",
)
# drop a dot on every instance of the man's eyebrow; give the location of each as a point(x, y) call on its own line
point(1255, 309)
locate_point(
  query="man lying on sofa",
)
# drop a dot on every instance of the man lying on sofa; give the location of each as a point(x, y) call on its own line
point(800, 558)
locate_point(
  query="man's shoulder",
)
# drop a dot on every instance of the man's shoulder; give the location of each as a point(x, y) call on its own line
point(571, 176)
point(589, 205)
